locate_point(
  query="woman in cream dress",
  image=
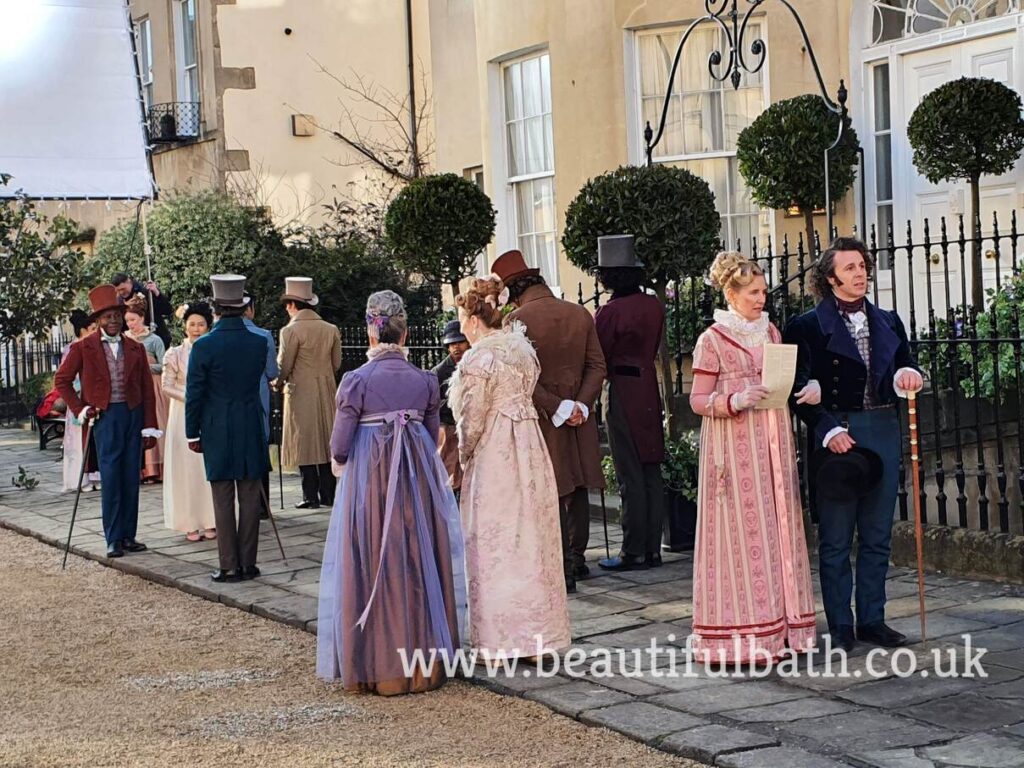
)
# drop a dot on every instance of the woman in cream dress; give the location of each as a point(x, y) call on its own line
point(188, 500)
point(509, 504)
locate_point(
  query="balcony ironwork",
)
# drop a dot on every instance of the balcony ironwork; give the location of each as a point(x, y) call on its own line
point(174, 122)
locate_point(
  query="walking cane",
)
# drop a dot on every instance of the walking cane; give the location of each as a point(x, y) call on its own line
point(78, 493)
point(915, 462)
point(604, 517)
point(280, 477)
point(273, 522)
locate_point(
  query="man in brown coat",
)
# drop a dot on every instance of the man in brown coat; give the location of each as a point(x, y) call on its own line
point(572, 370)
point(310, 354)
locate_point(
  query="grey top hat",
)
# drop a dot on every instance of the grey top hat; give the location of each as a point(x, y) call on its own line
point(229, 290)
point(616, 252)
point(300, 289)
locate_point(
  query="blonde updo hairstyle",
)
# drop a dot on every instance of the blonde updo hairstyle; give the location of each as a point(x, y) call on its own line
point(732, 271)
point(481, 300)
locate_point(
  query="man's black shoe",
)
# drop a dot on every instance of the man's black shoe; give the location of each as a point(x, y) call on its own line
point(653, 559)
point(308, 505)
point(221, 576)
point(114, 550)
point(131, 545)
point(570, 585)
point(250, 572)
point(580, 571)
point(843, 638)
point(623, 562)
point(264, 515)
point(881, 635)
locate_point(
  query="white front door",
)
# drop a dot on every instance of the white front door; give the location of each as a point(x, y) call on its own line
point(918, 201)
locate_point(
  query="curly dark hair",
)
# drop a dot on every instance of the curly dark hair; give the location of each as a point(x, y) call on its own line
point(621, 278)
point(825, 266)
point(517, 287)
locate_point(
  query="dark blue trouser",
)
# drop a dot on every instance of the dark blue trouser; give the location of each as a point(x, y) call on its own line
point(872, 517)
point(119, 450)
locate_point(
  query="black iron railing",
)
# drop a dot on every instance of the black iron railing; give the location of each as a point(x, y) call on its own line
point(25, 365)
point(173, 122)
point(971, 413)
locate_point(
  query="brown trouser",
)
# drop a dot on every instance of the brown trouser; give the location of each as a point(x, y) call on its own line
point(574, 509)
point(448, 449)
point(237, 543)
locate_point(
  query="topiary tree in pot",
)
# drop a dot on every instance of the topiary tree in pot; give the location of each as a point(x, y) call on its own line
point(671, 213)
point(781, 157)
point(437, 226)
point(961, 131)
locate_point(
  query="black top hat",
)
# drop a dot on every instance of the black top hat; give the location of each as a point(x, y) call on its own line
point(845, 476)
point(453, 333)
point(616, 252)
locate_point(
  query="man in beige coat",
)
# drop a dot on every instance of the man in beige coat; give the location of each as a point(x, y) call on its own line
point(309, 356)
point(572, 371)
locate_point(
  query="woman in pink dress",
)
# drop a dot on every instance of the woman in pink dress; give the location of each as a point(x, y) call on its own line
point(509, 503)
point(752, 593)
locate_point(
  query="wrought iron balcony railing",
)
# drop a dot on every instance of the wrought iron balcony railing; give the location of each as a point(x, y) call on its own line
point(176, 121)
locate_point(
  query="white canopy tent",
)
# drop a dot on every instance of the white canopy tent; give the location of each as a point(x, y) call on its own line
point(71, 113)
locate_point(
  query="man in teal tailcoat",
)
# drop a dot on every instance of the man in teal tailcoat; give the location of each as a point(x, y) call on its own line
point(224, 422)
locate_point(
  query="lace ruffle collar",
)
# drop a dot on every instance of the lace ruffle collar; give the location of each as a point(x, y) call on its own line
point(383, 349)
point(749, 333)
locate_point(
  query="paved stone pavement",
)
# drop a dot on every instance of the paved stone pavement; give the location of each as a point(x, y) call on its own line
point(717, 716)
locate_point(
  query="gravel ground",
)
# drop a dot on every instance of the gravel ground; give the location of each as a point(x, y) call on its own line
point(100, 668)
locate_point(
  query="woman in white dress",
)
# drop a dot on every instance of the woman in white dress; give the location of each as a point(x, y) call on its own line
point(509, 504)
point(188, 499)
point(73, 448)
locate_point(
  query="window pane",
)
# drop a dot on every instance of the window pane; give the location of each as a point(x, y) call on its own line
point(549, 145)
point(739, 194)
point(713, 171)
point(883, 167)
point(693, 66)
point(882, 236)
point(883, 121)
point(545, 81)
point(524, 207)
point(516, 164)
point(741, 109)
point(188, 27)
point(741, 231)
point(531, 88)
point(534, 159)
point(544, 205)
point(513, 92)
point(656, 52)
point(698, 123)
point(547, 257)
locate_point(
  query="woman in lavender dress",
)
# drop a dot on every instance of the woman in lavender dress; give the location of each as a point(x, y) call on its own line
point(393, 576)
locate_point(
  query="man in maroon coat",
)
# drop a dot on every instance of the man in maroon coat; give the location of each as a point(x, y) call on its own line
point(118, 400)
point(629, 328)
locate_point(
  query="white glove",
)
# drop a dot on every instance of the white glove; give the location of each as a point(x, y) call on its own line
point(749, 397)
point(810, 394)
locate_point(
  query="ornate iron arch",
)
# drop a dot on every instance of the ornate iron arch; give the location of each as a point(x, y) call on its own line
point(732, 62)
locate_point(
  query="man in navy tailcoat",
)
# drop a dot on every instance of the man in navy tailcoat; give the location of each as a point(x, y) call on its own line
point(860, 355)
point(224, 421)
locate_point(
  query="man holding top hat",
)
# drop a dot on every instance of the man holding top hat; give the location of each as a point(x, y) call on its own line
point(629, 327)
point(860, 355)
point(309, 356)
point(117, 397)
point(572, 371)
point(448, 437)
point(224, 422)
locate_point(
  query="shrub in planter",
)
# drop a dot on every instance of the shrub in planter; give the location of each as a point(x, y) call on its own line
point(679, 471)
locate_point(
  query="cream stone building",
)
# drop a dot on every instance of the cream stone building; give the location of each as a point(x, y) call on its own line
point(532, 98)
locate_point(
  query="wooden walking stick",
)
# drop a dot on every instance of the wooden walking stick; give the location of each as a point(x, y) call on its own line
point(273, 522)
point(78, 493)
point(604, 517)
point(915, 463)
